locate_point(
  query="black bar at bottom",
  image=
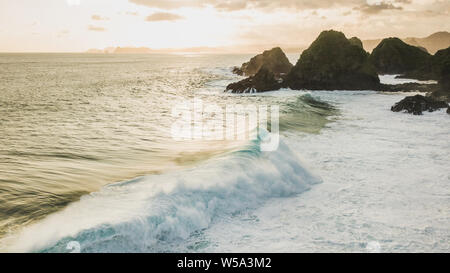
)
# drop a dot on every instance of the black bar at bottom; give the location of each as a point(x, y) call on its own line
point(251, 262)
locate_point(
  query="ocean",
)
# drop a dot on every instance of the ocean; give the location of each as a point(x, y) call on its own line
point(87, 155)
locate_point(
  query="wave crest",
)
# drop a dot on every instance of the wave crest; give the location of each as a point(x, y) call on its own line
point(144, 214)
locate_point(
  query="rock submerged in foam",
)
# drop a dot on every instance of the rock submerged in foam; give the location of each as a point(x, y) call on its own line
point(418, 104)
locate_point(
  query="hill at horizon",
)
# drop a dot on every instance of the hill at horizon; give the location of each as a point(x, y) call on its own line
point(432, 43)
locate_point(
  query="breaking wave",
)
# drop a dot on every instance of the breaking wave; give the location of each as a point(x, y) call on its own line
point(147, 213)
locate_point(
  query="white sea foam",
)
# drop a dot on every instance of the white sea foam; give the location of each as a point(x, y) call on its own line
point(392, 79)
point(385, 184)
point(149, 212)
point(385, 188)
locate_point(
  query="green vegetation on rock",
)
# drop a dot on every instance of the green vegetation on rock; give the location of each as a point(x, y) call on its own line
point(393, 56)
point(356, 41)
point(332, 62)
point(274, 60)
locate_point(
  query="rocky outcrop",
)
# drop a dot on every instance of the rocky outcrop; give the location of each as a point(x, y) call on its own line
point(434, 69)
point(356, 41)
point(393, 56)
point(441, 67)
point(274, 60)
point(332, 62)
point(417, 104)
point(423, 49)
point(238, 71)
point(265, 80)
point(438, 69)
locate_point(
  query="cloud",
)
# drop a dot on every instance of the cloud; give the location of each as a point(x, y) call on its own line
point(99, 18)
point(168, 4)
point(132, 13)
point(163, 16)
point(231, 5)
point(437, 8)
point(235, 5)
point(367, 6)
point(378, 7)
point(96, 28)
point(347, 13)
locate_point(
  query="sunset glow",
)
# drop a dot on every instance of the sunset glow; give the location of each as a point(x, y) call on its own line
point(78, 25)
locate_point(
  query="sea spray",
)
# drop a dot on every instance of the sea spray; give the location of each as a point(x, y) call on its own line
point(146, 213)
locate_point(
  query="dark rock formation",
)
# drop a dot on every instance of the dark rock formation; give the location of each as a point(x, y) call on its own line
point(356, 41)
point(441, 67)
point(438, 69)
point(236, 70)
point(274, 60)
point(332, 62)
point(417, 104)
point(423, 49)
point(393, 56)
point(434, 69)
point(264, 80)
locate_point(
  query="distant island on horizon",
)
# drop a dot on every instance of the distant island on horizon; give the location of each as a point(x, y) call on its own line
point(431, 44)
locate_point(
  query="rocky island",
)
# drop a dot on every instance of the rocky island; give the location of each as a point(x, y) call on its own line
point(393, 56)
point(333, 62)
point(273, 60)
point(266, 72)
point(437, 67)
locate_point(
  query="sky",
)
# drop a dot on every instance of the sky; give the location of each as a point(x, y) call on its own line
point(79, 25)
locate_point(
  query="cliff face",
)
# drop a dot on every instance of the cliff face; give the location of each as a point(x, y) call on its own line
point(332, 62)
point(393, 56)
point(441, 68)
point(274, 60)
